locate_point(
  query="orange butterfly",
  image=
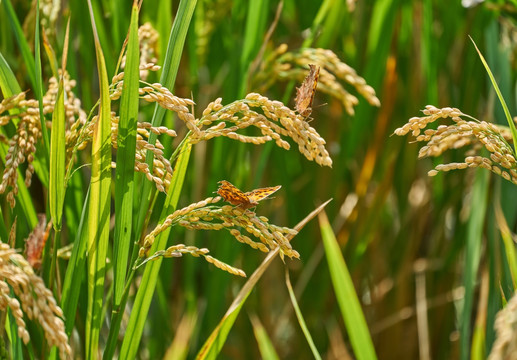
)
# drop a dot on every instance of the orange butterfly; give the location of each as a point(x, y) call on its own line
point(244, 200)
point(305, 93)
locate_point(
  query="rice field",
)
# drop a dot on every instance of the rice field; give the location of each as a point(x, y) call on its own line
point(202, 179)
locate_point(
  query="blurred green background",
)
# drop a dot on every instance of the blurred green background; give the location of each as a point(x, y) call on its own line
point(405, 236)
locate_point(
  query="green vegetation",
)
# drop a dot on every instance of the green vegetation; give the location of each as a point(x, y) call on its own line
point(119, 237)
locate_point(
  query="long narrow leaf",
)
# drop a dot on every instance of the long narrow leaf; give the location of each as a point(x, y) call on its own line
point(22, 42)
point(8, 83)
point(57, 160)
point(267, 350)
point(473, 256)
point(346, 295)
point(299, 316)
point(75, 270)
point(509, 244)
point(99, 209)
point(124, 177)
point(39, 83)
point(57, 149)
point(500, 97)
point(124, 180)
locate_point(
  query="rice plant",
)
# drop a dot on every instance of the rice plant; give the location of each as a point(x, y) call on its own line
point(148, 148)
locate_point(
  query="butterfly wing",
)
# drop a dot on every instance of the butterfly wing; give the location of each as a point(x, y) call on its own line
point(231, 194)
point(305, 93)
point(259, 194)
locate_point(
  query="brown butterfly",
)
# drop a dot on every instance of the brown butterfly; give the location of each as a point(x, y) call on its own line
point(305, 93)
point(244, 200)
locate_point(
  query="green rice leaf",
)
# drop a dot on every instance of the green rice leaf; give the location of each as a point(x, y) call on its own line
point(51, 54)
point(473, 256)
point(511, 124)
point(99, 207)
point(124, 176)
point(8, 82)
point(124, 181)
point(346, 295)
point(39, 85)
point(57, 184)
point(74, 275)
point(22, 41)
point(509, 244)
point(57, 160)
point(266, 348)
point(299, 316)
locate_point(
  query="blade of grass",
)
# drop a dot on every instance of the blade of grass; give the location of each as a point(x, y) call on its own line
point(99, 209)
point(41, 162)
point(509, 244)
point(498, 276)
point(473, 255)
point(163, 24)
point(22, 42)
point(108, 50)
point(266, 348)
point(346, 295)
point(57, 186)
point(500, 96)
point(478, 347)
point(217, 338)
point(125, 182)
point(8, 82)
point(39, 85)
point(147, 285)
point(124, 176)
point(299, 316)
point(119, 24)
point(57, 151)
point(75, 270)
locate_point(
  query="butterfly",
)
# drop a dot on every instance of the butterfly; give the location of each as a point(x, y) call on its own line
point(244, 200)
point(305, 93)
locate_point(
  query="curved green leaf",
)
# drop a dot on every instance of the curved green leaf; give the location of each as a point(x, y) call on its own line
point(99, 209)
point(346, 295)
